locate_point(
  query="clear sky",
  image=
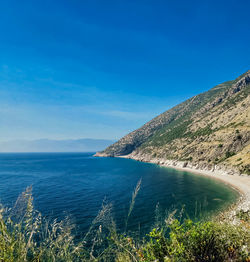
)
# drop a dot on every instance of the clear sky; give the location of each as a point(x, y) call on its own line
point(99, 69)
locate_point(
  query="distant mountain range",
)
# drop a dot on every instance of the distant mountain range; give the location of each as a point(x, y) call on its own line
point(47, 145)
point(209, 130)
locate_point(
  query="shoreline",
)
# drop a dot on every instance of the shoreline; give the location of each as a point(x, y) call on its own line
point(239, 182)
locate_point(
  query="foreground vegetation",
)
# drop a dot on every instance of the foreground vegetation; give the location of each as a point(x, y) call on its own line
point(26, 236)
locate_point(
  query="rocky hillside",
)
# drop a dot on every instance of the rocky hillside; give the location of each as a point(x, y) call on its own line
point(212, 128)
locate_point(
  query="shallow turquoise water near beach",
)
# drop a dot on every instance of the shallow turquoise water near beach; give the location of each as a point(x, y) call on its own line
point(77, 183)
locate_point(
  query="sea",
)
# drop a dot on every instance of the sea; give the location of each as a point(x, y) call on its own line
point(78, 184)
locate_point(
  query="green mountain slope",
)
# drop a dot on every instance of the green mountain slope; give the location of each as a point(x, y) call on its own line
point(212, 128)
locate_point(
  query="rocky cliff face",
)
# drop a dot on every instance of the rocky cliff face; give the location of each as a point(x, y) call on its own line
point(212, 128)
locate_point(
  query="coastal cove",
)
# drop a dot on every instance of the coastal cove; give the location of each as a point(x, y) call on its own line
point(76, 184)
point(239, 182)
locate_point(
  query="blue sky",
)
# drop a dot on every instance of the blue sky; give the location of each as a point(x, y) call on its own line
point(100, 69)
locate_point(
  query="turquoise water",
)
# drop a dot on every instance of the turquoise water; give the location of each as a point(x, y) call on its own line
point(77, 184)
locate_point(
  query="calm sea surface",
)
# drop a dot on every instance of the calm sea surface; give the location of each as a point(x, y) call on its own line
point(76, 184)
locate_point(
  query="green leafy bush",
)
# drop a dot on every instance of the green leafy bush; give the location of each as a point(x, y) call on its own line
point(243, 215)
point(201, 242)
point(229, 154)
point(245, 170)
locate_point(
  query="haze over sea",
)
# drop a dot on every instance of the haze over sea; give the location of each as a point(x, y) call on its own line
point(76, 184)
